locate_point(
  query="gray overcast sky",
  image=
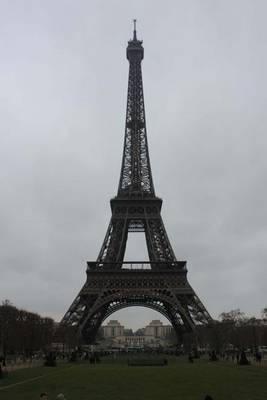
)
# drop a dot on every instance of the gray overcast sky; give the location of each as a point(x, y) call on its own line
point(63, 77)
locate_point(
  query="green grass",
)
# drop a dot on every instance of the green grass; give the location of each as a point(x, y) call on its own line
point(116, 381)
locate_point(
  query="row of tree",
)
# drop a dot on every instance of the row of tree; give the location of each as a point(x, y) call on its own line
point(234, 330)
point(26, 332)
point(23, 331)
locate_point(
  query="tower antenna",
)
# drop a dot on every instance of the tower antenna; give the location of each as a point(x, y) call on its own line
point(134, 36)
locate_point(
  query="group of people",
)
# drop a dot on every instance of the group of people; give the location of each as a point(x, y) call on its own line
point(44, 396)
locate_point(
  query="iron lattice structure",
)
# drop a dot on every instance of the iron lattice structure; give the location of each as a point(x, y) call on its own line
point(113, 284)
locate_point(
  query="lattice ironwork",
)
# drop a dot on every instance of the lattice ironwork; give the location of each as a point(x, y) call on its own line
point(136, 175)
point(161, 283)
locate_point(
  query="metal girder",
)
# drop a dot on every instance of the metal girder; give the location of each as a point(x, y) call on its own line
point(164, 290)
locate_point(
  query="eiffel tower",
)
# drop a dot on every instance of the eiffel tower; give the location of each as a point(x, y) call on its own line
point(112, 284)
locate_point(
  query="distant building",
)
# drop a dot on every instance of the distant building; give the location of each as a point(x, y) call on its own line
point(157, 329)
point(155, 334)
point(113, 329)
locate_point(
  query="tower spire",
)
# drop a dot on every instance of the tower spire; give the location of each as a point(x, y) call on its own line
point(134, 32)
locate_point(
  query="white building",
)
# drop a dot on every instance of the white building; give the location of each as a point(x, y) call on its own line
point(113, 329)
point(155, 335)
point(157, 329)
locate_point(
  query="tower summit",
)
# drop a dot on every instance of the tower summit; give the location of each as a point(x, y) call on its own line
point(160, 283)
point(134, 45)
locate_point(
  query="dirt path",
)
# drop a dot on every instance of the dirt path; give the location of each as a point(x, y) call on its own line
point(22, 382)
point(32, 364)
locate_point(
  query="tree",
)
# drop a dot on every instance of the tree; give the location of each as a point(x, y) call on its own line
point(234, 316)
point(8, 315)
point(264, 313)
point(23, 331)
point(232, 323)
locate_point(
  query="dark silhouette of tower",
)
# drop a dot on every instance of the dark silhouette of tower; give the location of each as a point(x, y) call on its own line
point(112, 284)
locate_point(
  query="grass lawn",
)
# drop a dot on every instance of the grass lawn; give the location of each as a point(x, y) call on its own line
point(116, 381)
